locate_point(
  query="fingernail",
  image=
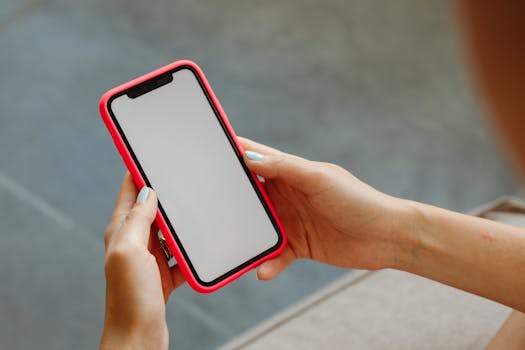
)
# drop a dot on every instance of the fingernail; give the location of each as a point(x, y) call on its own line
point(143, 194)
point(253, 155)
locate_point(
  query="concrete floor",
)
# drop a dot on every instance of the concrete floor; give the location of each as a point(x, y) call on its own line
point(379, 87)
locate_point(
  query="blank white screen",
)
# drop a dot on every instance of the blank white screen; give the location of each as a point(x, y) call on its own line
point(199, 180)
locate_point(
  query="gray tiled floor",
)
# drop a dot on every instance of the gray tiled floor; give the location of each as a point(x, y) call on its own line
point(379, 87)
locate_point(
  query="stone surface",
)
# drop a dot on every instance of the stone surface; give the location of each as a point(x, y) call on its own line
point(386, 309)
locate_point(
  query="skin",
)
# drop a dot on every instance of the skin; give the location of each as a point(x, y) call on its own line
point(314, 200)
point(138, 279)
point(495, 33)
point(511, 336)
point(495, 37)
point(332, 217)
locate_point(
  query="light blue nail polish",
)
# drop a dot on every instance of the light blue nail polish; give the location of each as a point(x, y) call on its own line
point(143, 194)
point(253, 155)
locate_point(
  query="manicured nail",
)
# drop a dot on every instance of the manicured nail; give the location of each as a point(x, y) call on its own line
point(253, 155)
point(143, 194)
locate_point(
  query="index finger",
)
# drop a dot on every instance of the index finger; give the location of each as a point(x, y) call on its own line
point(126, 197)
point(125, 200)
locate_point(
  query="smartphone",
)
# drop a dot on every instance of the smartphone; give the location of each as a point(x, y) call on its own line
point(174, 137)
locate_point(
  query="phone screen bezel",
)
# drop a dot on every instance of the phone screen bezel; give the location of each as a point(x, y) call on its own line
point(238, 154)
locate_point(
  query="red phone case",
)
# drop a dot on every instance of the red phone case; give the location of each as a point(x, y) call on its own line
point(140, 182)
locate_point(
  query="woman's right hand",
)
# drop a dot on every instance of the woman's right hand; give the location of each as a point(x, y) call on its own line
point(328, 214)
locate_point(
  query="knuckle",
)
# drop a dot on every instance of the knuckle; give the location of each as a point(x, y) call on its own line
point(333, 168)
point(107, 234)
point(137, 215)
point(328, 169)
point(285, 163)
point(113, 226)
point(119, 255)
point(278, 164)
point(317, 172)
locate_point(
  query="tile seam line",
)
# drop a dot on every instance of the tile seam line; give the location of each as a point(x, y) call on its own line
point(53, 213)
point(20, 13)
point(36, 201)
point(45, 208)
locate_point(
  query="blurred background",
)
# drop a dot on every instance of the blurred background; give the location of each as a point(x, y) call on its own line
point(381, 88)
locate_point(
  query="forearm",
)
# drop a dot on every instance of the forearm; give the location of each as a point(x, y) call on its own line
point(113, 338)
point(473, 254)
point(121, 332)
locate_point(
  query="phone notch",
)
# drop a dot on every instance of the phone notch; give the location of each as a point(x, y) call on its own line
point(150, 85)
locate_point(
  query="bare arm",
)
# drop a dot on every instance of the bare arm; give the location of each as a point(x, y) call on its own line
point(332, 217)
point(474, 254)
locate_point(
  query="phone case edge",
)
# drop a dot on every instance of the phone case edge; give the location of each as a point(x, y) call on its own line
point(140, 182)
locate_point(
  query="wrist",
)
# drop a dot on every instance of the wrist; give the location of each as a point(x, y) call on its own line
point(125, 335)
point(407, 223)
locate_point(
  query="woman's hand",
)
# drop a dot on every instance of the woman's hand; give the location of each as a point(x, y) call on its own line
point(332, 217)
point(329, 215)
point(138, 278)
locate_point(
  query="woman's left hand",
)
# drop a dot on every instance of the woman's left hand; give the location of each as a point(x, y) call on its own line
point(138, 278)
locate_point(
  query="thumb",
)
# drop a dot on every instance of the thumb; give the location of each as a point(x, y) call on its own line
point(271, 268)
point(295, 171)
point(138, 223)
